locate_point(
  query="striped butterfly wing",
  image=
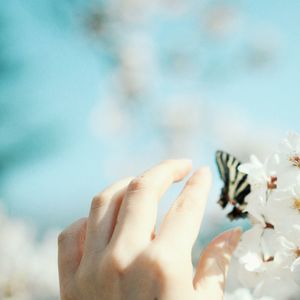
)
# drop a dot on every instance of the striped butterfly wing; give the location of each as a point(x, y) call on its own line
point(236, 186)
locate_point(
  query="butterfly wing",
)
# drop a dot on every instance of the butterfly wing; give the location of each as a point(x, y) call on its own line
point(236, 186)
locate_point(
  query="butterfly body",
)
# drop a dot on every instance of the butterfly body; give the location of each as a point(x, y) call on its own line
point(236, 186)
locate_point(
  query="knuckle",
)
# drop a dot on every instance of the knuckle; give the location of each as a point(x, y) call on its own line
point(99, 200)
point(193, 182)
point(76, 229)
point(62, 237)
point(137, 184)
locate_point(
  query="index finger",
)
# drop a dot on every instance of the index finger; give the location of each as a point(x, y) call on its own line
point(70, 248)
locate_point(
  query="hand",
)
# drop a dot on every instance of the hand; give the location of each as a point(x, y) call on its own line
point(116, 254)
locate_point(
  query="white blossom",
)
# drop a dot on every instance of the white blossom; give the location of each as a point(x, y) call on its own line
point(269, 252)
point(283, 211)
point(289, 150)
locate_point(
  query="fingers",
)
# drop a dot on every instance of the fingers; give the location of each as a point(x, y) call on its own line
point(70, 248)
point(181, 225)
point(211, 271)
point(103, 214)
point(138, 211)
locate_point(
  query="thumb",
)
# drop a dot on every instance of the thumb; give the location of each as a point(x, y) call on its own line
point(212, 268)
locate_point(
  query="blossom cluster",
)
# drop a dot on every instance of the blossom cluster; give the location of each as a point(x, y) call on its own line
point(269, 252)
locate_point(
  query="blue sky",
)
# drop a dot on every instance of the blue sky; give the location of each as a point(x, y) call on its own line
point(63, 77)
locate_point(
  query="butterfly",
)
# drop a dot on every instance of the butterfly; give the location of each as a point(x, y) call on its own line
point(236, 187)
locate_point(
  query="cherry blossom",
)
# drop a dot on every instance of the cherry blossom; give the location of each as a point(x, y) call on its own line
point(269, 252)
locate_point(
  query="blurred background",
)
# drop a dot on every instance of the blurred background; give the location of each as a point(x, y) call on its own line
point(91, 91)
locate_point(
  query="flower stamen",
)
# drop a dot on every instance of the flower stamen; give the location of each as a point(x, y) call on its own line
point(297, 252)
point(295, 160)
point(269, 226)
point(297, 204)
point(269, 259)
point(272, 183)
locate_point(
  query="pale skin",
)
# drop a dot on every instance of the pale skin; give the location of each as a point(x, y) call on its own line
point(116, 253)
